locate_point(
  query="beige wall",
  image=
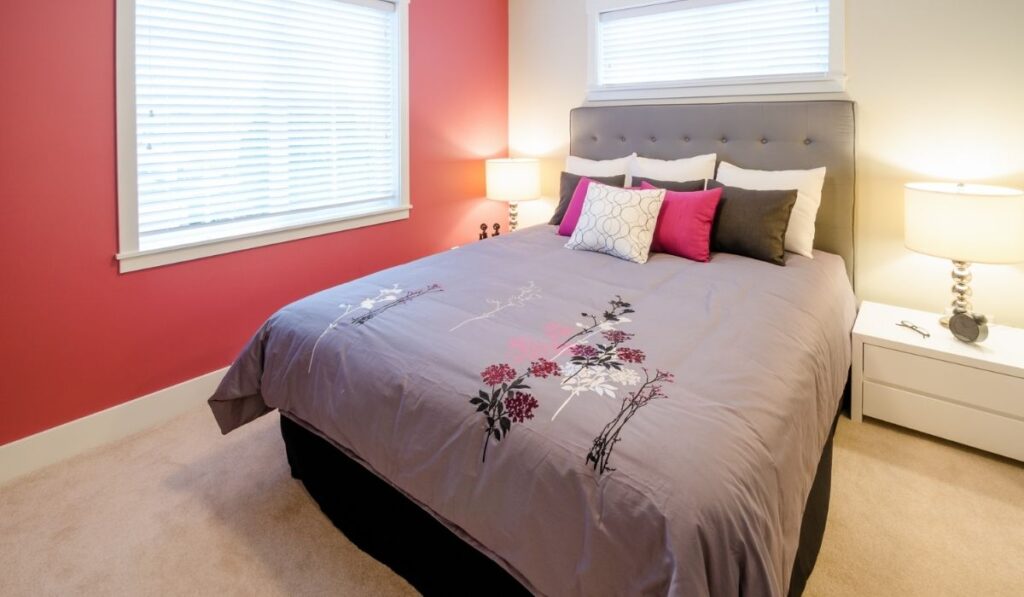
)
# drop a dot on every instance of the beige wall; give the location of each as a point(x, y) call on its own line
point(939, 93)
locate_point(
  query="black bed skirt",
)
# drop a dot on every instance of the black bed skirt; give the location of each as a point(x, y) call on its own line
point(397, 532)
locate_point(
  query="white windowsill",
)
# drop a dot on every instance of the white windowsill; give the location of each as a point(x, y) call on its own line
point(646, 92)
point(138, 260)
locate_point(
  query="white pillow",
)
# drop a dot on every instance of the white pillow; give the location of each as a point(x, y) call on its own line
point(617, 222)
point(699, 167)
point(808, 184)
point(585, 167)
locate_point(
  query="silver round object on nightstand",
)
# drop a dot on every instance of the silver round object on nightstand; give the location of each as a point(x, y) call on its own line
point(969, 327)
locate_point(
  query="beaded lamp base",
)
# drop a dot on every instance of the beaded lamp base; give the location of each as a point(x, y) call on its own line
point(961, 291)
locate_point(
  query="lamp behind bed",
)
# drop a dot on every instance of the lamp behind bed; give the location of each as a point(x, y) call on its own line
point(513, 180)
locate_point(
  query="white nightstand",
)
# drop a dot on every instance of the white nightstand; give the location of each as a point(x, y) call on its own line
point(968, 393)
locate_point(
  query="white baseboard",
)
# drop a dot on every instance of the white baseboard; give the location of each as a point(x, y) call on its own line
point(64, 441)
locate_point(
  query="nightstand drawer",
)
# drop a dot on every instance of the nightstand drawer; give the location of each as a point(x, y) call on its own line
point(962, 424)
point(991, 391)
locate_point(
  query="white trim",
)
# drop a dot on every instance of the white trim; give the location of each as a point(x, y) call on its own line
point(129, 256)
point(403, 97)
point(833, 82)
point(636, 92)
point(70, 439)
point(134, 261)
point(127, 157)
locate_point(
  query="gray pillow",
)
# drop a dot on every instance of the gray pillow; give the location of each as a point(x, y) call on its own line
point(568, 187)
point(752, 223)
point(671, 185)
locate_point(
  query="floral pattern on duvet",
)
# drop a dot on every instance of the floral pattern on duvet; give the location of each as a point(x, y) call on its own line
point(596, 359)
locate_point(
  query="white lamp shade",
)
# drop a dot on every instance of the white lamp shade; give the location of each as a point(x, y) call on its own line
point(515, 179)
point(972, 223)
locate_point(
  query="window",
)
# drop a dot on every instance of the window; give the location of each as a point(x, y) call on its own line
point(248, 122)
point(652, 49)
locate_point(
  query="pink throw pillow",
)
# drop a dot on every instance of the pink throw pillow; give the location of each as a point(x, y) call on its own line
point(684, 223)
point(572, 213)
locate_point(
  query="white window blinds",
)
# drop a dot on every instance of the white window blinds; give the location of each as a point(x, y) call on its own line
point(714, 42)
point(259, 115)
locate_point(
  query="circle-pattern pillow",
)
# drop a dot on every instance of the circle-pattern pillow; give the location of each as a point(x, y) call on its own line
point(618, 222)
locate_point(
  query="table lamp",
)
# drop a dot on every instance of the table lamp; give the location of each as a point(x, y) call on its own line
point(513, 180)
point(965, 223)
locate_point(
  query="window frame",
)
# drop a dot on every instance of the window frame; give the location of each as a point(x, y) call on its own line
point(130, 258)
point(832, 82)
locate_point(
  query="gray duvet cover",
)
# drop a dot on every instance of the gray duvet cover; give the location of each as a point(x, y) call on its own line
point(596, 426)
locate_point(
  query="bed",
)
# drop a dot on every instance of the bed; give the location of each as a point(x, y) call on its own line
point(514, 417)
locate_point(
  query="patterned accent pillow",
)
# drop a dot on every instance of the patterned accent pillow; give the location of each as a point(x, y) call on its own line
point(618, 222)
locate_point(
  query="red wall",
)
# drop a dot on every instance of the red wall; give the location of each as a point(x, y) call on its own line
point(77, 337)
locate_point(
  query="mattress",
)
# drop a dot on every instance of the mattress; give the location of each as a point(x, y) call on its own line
point(594, 425)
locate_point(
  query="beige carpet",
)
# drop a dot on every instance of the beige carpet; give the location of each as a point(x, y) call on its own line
point(181, 510)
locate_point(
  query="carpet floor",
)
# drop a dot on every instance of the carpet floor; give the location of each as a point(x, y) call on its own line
point(181, 510)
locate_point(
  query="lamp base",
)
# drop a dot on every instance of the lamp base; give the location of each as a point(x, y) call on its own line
point(961, 291)
point(962, 321)
point(513, 215)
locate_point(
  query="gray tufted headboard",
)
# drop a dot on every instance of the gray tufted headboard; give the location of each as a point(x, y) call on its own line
point(762, 135)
